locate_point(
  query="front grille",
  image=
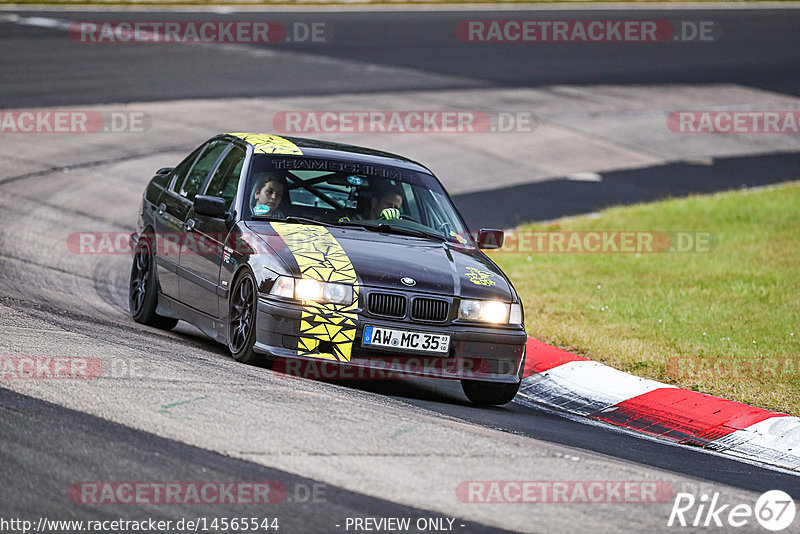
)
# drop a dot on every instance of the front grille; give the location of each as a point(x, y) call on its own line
point(387, 304)
point(424, 309)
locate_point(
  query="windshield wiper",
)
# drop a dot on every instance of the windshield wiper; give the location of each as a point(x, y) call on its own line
point(304, 220)
point(383, 227)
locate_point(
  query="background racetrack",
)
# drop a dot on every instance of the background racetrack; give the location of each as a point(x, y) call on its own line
point(173, 406)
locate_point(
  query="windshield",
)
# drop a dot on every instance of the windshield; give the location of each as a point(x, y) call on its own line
point(352, 193)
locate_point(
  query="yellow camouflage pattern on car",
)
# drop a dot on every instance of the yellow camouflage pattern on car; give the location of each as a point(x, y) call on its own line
point(269, 144)
point(322, 258)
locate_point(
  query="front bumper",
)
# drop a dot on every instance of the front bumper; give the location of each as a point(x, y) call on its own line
point(476, 352)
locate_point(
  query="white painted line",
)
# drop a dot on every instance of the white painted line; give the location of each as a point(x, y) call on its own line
point(44, 22)
point(775, 440)
point(586, 176)
point(585, 387)
point(580, 388)
point(649, 437)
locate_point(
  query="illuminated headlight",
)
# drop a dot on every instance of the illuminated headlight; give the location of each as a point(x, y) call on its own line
point(307, 289)
point(489, 311)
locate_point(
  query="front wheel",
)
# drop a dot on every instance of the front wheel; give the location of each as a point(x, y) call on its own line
point(489, 393)
point(242, 306)
point(143, 288)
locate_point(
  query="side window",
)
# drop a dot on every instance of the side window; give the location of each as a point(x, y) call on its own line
point(197, 176)
point(226, 178)
point(183, 168)
point(430, 215)
point(411, 201)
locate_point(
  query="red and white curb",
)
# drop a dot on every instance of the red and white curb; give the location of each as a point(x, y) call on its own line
point(568, 382)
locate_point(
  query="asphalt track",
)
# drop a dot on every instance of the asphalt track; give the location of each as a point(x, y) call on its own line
point(759, 50)
point(253, 425)
point(129, 454)
point(541, 201)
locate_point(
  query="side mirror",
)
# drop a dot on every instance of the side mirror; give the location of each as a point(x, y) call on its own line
point(165, 170)
point(490, 238)
point(210, 206)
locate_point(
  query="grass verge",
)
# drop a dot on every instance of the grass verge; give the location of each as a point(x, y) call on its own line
point(299, 3)
point(725, 321)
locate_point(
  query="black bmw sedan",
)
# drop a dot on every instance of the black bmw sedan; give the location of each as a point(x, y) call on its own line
point(298, 250)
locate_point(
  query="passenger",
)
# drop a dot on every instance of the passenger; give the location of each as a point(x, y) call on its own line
point(270, 191)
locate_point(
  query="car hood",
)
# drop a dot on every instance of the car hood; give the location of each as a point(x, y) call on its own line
point(383, 260)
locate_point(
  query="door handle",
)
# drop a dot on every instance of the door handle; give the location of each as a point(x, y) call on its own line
point(189, 224)
point(161, 208)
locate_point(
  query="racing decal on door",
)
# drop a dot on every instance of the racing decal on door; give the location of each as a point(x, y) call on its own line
point(269, 144)
point(322, 258)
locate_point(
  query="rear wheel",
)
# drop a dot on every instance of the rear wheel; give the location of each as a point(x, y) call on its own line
point(143, 288)
point(489, 393)
point(242, 320)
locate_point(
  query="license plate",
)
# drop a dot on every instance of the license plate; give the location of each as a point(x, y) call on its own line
point(404, 339)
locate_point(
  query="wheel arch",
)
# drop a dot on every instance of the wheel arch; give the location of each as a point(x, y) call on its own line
point(149, 230)
point(237, 273)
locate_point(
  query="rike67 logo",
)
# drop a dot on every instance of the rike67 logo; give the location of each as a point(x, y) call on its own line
point(774, 511)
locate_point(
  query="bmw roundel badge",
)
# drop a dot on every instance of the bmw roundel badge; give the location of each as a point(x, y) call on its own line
point(407, 280)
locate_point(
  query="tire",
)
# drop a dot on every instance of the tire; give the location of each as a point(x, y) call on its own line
point(242, 309)
point(143, 288)
point(489, 393)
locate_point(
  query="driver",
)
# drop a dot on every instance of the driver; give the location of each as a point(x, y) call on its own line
point(386, 204)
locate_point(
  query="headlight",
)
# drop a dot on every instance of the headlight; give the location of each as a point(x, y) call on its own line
point(308, 289)
point(284, 287)
point(489, 311)
point(338, 293)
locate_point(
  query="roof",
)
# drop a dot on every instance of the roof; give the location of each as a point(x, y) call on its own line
point(298, 146)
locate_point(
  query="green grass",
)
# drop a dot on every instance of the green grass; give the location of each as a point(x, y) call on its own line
point(738, 304)
point(173, 3)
